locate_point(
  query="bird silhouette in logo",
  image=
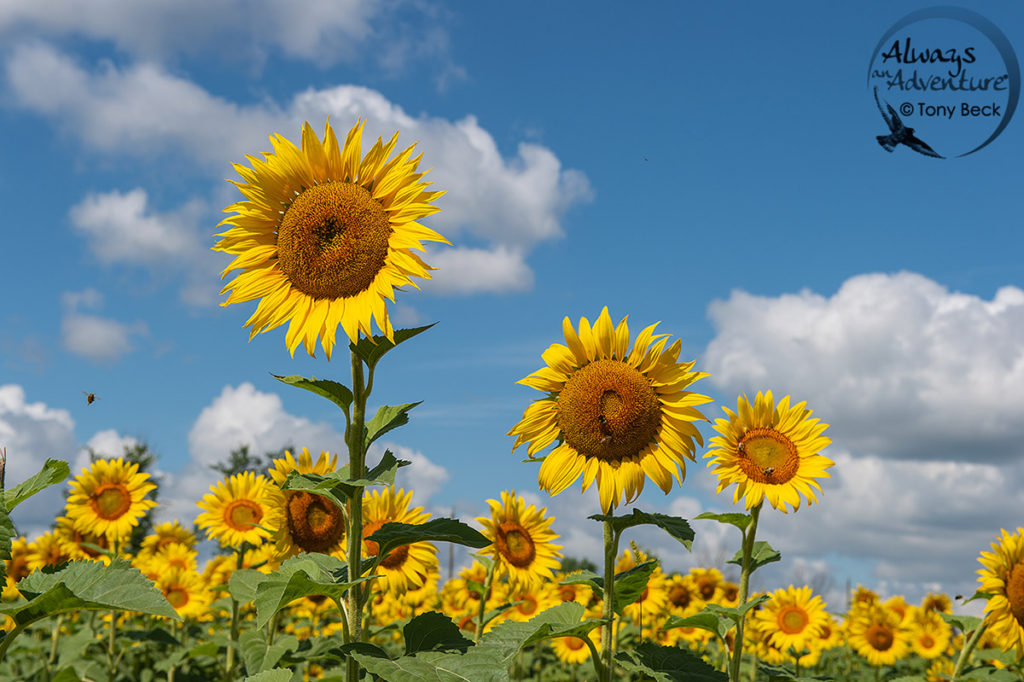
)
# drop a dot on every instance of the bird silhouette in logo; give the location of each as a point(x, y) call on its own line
point(899, 133)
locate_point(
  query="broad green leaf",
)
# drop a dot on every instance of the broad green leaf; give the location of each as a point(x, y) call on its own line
point(433, 631)
point(479, 664)
point(384, 472)
point(243, 583)
point(668, 664)
point(966, 624)
point(371, 351)
point(88, 585)
point(978, 595)
point(780, 673)
point(54, 471)
point(388, 418)
point(673, 525)
point(629, 585)
point(509, 637)
point(329, 649)
point(158, 635)
point(275, 675)
point(903, 678)
point(305, 575)
point(705, 620)
point(330, 486)
point(257, 656)
point(762, 554)
point(736, 613)
point(67, 674)
point(339, 394)
point(737, 519)
point(393, 535)
point(7, 535)
point(588, 578)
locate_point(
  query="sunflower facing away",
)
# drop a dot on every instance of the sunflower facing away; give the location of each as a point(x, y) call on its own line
point(618, 414)
point(234, 510)
point(404, 567)
point(109, 498)
point(306, 522)
point(522, 541)
point(325, 235)
point(1002, 576)
point(769, 452)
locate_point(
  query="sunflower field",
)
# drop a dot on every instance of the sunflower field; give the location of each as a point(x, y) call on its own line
point(325, 570)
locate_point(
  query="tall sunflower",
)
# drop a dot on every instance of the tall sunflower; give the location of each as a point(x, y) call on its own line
point(234, 510)
point(618, 414)
point(1002, 576)
point(522, 541)
point(407, 566)
point(325, 235)
point(306, 522)
point(109, 498)
point(770, 452)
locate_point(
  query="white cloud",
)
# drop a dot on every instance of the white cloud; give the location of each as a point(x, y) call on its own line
point(99, 339)
point(423, 477)
point(31, 433)
point(898, 364)
point(323, 31)
point(507, 204)
point(463, 271)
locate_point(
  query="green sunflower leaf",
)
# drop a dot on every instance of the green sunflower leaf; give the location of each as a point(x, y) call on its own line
point(630, 584)
point(673, 525)
point(978, 595)
point(54, 471)
point(668, 664)
point(338, 487)
point(736, 613)
point(243, 583)
point(588, 578)
point(258, 656)
point(275, 675)
point(762, 554)
point(967, 624)
point(388, 418)
point(780, 673)
point(88, 585)
point(479, 664)
point(393, 535)
point(741, 521)
point(7, 535)
point(371, 351)
point(339, 394)
point(705, 620)
point(305, 575)
point(433, 631)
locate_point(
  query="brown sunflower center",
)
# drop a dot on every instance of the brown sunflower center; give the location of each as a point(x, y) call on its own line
point(111, 501)
point(18, 568)
point(793, 620)
point(879, 637)
point(1015, 592)
point(730, 592)
point(767, 456)
point(98, 540)
point(177, 596)
point(706, 587)
point(927, 641)
point(527, 605)
point(567, 593)
point(574, 643)
point(242, 515)
point(315, 523)
point(608, 410)
point(333, 240)
point(396, 557)
point(515, 544)
point(679, 596)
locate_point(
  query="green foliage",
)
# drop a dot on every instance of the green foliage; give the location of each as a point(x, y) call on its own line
point(673, 525)
point(588, 578)
point(277, 675)
point(668, 664)
point(736, 613)
point(338, 487)
point(737, 519)
point(339, 394)
point(630, 584)
point(54, 471)
point(393, 535)
point(761, 555)
point(305, 575)
point(778, 673)
point(388, 418)
point(433, 631)
point(967, 624)
point(242, 460)
point(714, 623)
point(571, 564)
point(372, 350)
point(258, 655)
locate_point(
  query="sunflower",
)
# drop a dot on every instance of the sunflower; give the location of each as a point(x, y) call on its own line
point(875, 633)
point(46, 550)
point(404, 567)
point(941, 670)
point(109, 498)
point(522, 541)
point(234, 510)
point(1002, 576)
point(618, 415)
point(76, 544)
point(929, 634)
point(652, 603)
point(324, 235)
point(164, 534)
point(173, 556)
point(527, 603)
point(707, 582)
point(863, 596)
point(937, 602)
point(769, 451)
point(683, 596)
point(574, 649)
point(306, 522)
point(792, 618)
point(17, 568)
point(185, 590)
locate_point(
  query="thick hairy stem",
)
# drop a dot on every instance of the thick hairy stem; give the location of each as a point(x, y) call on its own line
point(748, 550)
point(611, 550)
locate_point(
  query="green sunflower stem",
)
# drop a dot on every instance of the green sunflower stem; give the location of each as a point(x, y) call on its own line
point(229, 655)
point(965, 653)
point(483, 601)
point(611, 551)
point(748, 550)
point(357, 466)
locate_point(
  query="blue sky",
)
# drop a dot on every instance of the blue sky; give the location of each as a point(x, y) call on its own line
point(712, 169)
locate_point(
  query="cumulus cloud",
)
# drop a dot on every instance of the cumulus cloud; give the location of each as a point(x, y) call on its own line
point(324, 32)
point(504, 204)
point(424, 476)
point(901, 366)
point(101, 340)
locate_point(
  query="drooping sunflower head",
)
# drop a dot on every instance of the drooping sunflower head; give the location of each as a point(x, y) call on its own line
point(235, 509)
point(325, 235)
point(306, 522)
point(770, 452)
point(1002, 576)
point(404, 567)
point(109, 498)
point(523, 542)
point(619, 414)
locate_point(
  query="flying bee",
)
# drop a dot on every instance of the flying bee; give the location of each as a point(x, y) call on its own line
point(90, 398)
point(768, 471)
